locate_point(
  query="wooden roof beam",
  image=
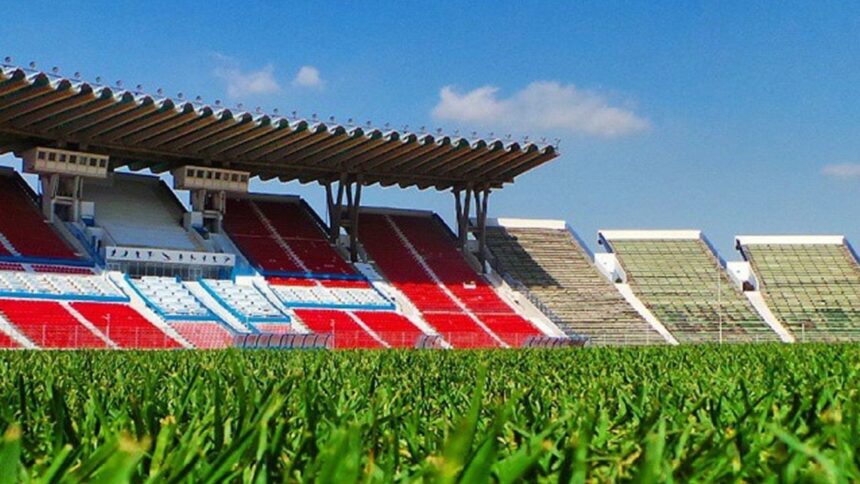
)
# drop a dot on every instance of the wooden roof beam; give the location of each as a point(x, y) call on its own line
point(111, 122)
point(73, 114)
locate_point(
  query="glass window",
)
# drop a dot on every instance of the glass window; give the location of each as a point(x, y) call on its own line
point(217, 175)
point(73, 159)
point(52, 157)
point(62, 157)
point(94, 162)
point(199, 173)
point(103, 163)
point(189, 173)
point(41, 155)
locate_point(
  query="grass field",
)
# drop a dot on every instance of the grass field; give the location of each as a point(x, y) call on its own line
point(691, 413)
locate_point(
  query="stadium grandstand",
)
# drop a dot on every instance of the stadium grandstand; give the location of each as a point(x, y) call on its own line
point(811, 283)
point(103, 254)
point(103, 257)
point(684, 283)
point(547, 262)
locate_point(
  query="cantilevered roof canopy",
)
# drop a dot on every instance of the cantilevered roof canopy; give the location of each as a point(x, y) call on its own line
point(142, 131)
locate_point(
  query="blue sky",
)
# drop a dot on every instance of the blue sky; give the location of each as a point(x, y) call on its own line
point(734, 118)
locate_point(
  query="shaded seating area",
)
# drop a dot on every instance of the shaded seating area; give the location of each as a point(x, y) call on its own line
point(550, 265)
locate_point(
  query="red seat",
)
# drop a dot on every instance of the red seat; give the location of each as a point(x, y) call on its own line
point(48, 324)
point(274, 328)
point(291, 281)
point(437, 250)
point(460, 330)
point(511, 328)
point(292, 223)
point(394, 328)
point(346, 333)
point(125, 326)
point(346, 283)
point(266, 253)
point(22, 225)
point(62, 269)
point(7, 342)
point(291, 220)
point(204, 334)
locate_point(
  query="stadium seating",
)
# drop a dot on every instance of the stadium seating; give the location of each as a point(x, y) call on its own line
point(395, 329)
point(23, 231)
point(682, 282)
point(428, 268)
point(204, 334)
point(245, 301)
point(274, 328)
point(282, 237)
point(553, 267)
point(346, 333)
point(170, 298)
point(460, 330)
point(58, 285)
point(7, 342)
point(312, 293)
point(139, 211)
point(125, 326)
point(813, 288)
point(58, 269)
point(48, 324)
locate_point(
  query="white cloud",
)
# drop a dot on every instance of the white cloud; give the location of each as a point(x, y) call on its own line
point(241, 84)
point(842, 170)
point(542, 105)
point(308, 76)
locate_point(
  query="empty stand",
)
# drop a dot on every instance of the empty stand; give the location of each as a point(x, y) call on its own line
point(139, 211)
point(330, 294)
point(683, 283)
point(345, 331)
point(395, 329)
point(48, 324)
point(204, 334)
point(60, 286)
point(170, 298)
point(282, 238)
point(23, 231)
point(243, 300)
point(274, 328)
point(812, 284)
point(124, 326)
point(7, 343)
point(460, 330)
point(552, 266)
point(420, 258)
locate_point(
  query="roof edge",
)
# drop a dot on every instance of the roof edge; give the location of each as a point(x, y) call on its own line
point(789, 240)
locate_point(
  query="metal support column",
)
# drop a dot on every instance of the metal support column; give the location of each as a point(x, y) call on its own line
point(462, 199)
point(350, 187)
point(482, 198)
